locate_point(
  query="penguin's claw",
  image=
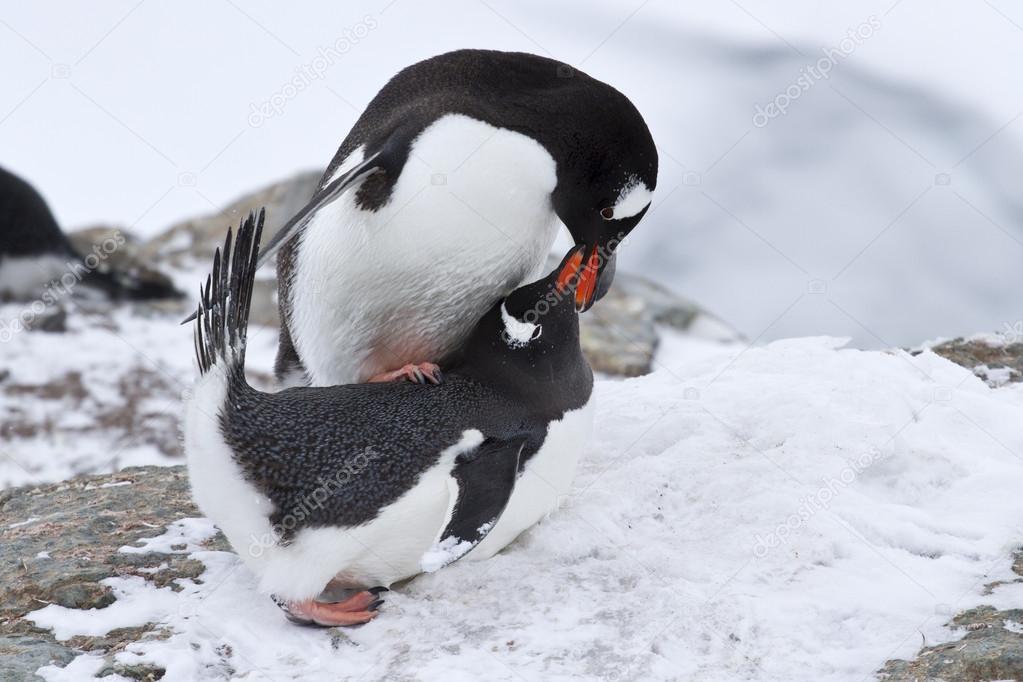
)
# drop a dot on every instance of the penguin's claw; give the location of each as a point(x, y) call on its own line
point(360, 608)
point(422, 373)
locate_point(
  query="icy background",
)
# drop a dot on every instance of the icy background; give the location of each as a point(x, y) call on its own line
point(884, 205)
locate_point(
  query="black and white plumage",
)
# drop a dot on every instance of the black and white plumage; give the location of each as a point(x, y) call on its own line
point(367, 484)
point(446, 195)
point(34, 252)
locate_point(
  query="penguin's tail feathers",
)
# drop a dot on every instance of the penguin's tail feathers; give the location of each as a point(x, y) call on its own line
point(223, 315)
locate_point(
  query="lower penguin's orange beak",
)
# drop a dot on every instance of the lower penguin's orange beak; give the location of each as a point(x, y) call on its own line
point(587, 282)
point(570, 272)
point(583, 276)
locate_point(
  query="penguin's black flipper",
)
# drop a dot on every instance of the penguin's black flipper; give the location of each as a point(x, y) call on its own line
point(323, 197)
point(484, 481)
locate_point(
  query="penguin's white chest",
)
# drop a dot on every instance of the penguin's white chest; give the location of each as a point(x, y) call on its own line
point(470, 218)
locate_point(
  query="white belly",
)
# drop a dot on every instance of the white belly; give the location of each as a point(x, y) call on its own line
point(546, 481)
point(470, 218)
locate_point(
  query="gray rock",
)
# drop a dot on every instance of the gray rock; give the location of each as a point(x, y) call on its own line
point(81, 524)
point(193, 241)
point(988, 651)
point(117, 250)
point(981, 355)
point(53, 320)
point(620, 333)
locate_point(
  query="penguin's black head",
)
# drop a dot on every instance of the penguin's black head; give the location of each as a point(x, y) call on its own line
point(542, 316)
point(604, 191)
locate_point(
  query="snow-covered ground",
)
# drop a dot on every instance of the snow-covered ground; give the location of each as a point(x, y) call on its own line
point(101, 396)
point(882, 205)
point(794, 511)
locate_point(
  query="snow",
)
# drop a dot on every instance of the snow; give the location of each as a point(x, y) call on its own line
point(449, 550)
point(180, 536)
point(82, 668)
point(1013, 626)
point(57, 427)
point(799, 510)
point(443, 553)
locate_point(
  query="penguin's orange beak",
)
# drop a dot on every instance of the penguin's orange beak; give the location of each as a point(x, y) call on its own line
point(581, 274)
point(587, 281)
point(569, 275)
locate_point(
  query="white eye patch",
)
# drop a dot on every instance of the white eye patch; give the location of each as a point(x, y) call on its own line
point(634, 197)
point(517, 333)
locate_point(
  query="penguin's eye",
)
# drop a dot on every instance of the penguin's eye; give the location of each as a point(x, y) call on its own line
point(536, 332)
point(607, 213)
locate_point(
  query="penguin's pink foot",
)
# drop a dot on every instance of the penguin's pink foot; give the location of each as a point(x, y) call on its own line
point(419, 373)
point(360, 608)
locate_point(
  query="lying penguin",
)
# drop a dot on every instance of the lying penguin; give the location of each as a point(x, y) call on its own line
point(34, 252)
point(363, 485)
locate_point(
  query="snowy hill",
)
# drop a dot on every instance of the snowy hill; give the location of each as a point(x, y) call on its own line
point(797, 511)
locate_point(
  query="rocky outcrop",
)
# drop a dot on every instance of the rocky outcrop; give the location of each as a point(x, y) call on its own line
point(619, 335)
point(61, 541)
point(122, 252)
point(193, 241)
point(990, 649)
point(997, 359)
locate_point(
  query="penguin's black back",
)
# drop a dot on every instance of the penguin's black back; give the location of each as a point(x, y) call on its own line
point(27, 227)
point(364, 445)
point(574, 116)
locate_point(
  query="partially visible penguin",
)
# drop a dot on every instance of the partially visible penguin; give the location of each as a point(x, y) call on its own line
point(34, 251)
point(359, 486)
point(447, 194)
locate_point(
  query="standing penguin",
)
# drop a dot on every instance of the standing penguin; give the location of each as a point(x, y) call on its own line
point(461, 168)
point(362, 485)
point(34, 251)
